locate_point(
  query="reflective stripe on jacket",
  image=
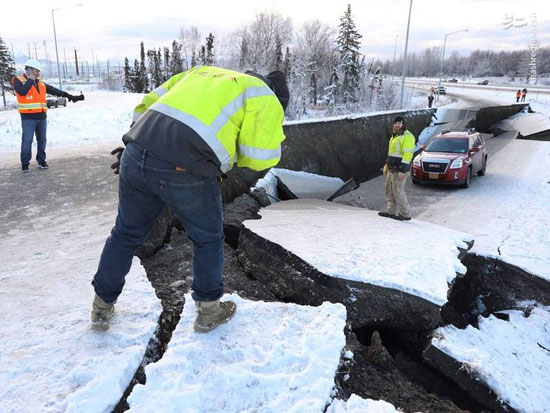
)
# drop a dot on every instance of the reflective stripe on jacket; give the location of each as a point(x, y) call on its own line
point(35, 99)
point(237, 116)
point(401, 151)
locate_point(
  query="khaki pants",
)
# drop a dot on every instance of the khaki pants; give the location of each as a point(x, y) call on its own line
point(395, 194)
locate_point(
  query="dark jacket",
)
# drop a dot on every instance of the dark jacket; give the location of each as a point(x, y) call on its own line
point(23, 89)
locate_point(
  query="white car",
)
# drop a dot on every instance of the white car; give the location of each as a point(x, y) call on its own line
point(55, 101)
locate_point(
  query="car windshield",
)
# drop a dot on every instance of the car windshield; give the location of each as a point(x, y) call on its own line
point(448, 145)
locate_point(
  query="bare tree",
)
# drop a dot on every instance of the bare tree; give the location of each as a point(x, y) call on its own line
point(191, 42)
point(258, 41)
point(315, 46)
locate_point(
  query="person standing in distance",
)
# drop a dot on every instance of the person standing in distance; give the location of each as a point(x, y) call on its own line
point(31, 91)
point(187, 133)
point(397, 169)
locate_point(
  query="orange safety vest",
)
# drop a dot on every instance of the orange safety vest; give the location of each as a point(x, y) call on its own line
point(518, 94)
point(35, 100)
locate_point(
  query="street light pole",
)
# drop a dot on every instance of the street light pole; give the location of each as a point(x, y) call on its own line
point(405, 57)
point(443, 58)
point(55, 40)
point(56, 52)
point(393, 65)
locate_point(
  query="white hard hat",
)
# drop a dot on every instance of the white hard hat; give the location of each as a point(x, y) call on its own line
point(35, 64)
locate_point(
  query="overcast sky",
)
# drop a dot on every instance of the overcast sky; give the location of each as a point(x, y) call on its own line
point(113, 29)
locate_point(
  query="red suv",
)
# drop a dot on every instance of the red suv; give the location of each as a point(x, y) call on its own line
point(451, 158)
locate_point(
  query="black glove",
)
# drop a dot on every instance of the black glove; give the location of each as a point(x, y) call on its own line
point(118, 153)
point(74, 98)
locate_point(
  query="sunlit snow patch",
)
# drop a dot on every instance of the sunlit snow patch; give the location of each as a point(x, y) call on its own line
point(511, 357)
point(356, 244)
point(269, 357)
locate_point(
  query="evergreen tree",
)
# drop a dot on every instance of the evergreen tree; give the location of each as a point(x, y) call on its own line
point(287, 64)
point(202, 56)
point(7, 69)
point(142, 71)
point(243, 60)
point(128, 84)
point(154, 59)
point(138, 85)
point(193, 59)
point(176, 64)
point(209, 58)
point(278, 52)
point(166, 65)
point(348, 46)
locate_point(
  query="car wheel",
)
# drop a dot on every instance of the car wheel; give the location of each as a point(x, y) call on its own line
point(466, 183)
point(55, 106)
point(481, 172)
point(414, 181)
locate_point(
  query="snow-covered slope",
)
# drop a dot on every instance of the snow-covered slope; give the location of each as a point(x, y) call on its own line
point(269, 357)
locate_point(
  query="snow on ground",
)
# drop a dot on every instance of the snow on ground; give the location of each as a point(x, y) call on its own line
point(302, 184)
point(287, 365)
point(526, 123)
point(354, 244)
point(50, 359)
point(101, 119)
point(512, 357)
point(356, 404)
point(506, 210)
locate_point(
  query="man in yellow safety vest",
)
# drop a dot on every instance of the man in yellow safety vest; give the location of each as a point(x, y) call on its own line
point(186, 134)
point(397, 169)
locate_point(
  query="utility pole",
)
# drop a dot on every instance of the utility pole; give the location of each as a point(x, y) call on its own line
point(66, 67)
point(76, 62)
point(393, 65)
point(29, 45)
point(108, 76)
point(93, 63)
point(405, 57)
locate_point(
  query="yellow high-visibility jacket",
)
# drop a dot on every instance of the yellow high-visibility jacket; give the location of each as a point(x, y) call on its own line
point(208, 118)
point(400, 152)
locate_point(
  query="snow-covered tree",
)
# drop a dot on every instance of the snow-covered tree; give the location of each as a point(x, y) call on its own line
point(287, 64)
point(154, 59)
point(209, 53)
point(176, 64)
point(315, 45)
point(128, 77)
point(350, 62)
point(190, 40)
point(7, 69)
point(256, 43)
point(142, 72)
point(166, 64)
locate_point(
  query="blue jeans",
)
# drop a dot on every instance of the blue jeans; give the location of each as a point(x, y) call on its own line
point(146, 185)
point(30, 126)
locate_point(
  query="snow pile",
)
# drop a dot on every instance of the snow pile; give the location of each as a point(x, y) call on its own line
point(356, 404)
point(511, 357)
point(356, 244)
point(269, 357)
point(506, 210)
point(102, 118)
point(302, 184)
point(50, 359)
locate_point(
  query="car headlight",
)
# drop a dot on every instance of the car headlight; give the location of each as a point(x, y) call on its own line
point(457, 163)
point(416, 162)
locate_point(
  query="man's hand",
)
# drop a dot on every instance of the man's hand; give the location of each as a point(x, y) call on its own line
point(74, 98)
point(385, 170)
point(401, 176)
point(118, 153)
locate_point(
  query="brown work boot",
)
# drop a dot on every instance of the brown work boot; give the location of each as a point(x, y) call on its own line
point(211, 314)
point(101, 314)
